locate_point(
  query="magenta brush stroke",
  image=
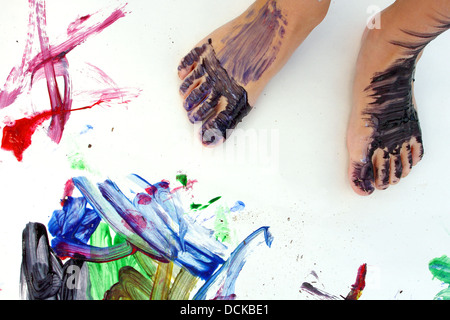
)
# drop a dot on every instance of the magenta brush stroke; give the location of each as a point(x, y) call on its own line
point(49, 64)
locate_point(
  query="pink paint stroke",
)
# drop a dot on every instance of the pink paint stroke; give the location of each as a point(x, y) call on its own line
point(50, 63)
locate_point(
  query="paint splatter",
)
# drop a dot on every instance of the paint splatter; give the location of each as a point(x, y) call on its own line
point(50, 63)
point(143, 248)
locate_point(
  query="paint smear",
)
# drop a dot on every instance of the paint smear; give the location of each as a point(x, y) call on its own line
point(146, 247)
point(440, 269)
point(49, 64)
point(354, 294)
point(251, 48)
point(359, 285)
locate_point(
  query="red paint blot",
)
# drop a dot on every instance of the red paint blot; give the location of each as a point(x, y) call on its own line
point(68, 190)
point(359, 285)
point(151, 190)
point(144, 199)
point(17, 137)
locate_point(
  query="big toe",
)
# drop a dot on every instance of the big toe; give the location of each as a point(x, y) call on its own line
point(361, 176)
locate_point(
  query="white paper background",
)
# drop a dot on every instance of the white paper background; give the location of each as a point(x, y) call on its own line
point(300, 191)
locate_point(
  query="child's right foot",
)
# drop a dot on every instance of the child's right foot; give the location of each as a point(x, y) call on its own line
point(226, 72)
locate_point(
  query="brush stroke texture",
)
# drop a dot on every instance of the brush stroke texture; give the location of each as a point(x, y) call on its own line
point(49, 64)
point(251, 48)
point(159, 252)
point(354, 294)
point(43, 276)
point(154, 223)
point(440, 269)
point(221, 286)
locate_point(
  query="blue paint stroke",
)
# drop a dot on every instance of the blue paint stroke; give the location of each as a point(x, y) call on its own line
point(221, 285)
point(154, 224)
point(74, 221)
point(86, 129)
point(72, 228)
point(110, 216)
point(238, 206)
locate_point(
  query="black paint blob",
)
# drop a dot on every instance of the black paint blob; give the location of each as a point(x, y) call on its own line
point(43, 276)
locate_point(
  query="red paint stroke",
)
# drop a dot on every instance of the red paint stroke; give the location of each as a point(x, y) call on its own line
point(189, 186)
point(48, 64)
point(69, 187)
point(17, 136)
point(359, 285)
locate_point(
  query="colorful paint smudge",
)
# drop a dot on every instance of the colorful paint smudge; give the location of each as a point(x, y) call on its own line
point(354, 294)
point(51, 63)
point(440, 269)
point(114, 247)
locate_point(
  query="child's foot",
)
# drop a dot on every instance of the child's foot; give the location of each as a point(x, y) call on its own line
point(384, 137)
point(226, 72)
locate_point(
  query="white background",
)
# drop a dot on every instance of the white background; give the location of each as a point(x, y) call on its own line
point(301, 190)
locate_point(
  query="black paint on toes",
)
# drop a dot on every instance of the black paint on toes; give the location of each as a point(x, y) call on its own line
point(220, 102)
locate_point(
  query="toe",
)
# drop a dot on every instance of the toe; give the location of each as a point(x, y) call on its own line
point(361, 175)
point(205, 109)
point(189, 62)
point(416, 150)
point(382, 165)
point(195, 78)
point(396, 169)
point(406, 158)
point(219, 125)
point(197, 96)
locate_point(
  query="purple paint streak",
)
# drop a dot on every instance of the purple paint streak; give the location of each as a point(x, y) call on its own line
point(252, 47)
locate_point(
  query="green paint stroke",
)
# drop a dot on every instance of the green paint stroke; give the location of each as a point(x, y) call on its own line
point(182, 178)
point(221, 226)
point(104, 275)
point(77, 161)
point(136, 277)
point(197, 206)
point(440, 269)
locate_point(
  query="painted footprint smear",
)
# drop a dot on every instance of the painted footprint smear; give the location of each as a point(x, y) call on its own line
point(158, 250)
point(396, 140)
point(50, 64)
point(216, 73)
